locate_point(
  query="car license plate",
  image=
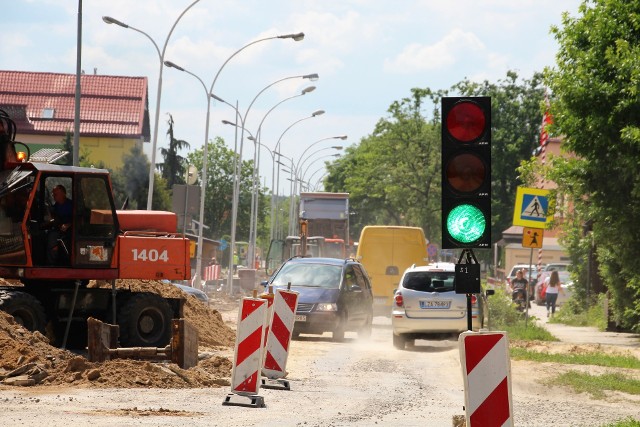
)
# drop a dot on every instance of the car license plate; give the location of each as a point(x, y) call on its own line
point(300, 318)
point(437, 304)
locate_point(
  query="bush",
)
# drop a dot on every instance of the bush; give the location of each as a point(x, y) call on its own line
point(503, 316)
point(573, 313)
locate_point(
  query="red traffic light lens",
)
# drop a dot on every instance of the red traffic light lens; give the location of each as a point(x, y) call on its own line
point(465, 172)
point(466, 121)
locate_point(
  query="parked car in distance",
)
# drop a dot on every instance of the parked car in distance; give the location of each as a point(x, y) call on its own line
point(565, 282)
point(202, 296)
point(335, 295)
point(558, 266)
point(426, 305)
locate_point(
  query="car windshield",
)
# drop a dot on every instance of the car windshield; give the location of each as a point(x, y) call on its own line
point(312, 275)
point(428, 281)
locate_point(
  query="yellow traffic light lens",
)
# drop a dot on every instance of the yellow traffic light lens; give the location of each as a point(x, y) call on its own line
point(466, 172)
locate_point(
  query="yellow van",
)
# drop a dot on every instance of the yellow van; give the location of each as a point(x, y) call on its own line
point(386, 252)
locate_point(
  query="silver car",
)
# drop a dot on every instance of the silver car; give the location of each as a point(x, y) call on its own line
point(426, 306)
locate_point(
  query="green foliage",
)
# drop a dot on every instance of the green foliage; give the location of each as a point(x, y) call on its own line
point(595, 358)
point(595, 385)
point(66, 144)
point(173, 169)
point(219, 191)
point(628, 422)
point(597, 109)
point(393, 175)
point(503, 316)
point(574, 313)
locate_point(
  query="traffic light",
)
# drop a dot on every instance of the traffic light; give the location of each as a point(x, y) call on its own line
point(466, 172)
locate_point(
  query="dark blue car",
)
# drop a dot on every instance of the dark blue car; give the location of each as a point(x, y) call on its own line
point(335, 295)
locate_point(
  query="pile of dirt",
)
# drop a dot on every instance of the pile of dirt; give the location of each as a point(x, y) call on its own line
point(27, 358)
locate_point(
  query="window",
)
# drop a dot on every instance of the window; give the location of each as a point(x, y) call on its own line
point(426, 281)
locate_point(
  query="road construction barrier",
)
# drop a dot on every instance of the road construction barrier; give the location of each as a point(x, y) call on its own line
point(247, 361)
point(279, 338)
point(486, 371)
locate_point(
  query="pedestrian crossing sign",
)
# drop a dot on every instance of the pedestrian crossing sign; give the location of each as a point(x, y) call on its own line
point(533, 208)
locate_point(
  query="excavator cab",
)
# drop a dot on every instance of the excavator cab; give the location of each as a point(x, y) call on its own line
point(26, 237)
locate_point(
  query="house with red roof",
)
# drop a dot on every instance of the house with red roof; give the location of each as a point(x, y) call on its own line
point(114, 112)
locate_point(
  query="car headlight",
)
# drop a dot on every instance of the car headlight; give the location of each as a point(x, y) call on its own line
point(327, 306)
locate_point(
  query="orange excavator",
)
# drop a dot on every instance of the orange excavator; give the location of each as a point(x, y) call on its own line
point(49, 262)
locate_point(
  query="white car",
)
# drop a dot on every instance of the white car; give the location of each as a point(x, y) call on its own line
point(426, 306)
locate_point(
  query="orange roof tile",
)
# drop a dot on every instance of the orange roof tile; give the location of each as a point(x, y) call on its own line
point(110, 106)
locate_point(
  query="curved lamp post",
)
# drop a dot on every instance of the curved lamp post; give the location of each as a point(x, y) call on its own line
point(237, 161)
point(154, 142)
point(274, 222)
point(296, 37)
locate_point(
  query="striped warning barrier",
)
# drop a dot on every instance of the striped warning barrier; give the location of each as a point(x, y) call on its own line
point(486, 370)
point(247, 361)
point(279, 337)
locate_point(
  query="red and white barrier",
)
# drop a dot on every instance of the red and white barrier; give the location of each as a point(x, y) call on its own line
point(279, 337)
point(247, 362)
point(486, 370)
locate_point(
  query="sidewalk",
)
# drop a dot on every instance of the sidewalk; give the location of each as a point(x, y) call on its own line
point(583, 334)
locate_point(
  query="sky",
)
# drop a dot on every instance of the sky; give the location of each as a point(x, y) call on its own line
point(367, 53)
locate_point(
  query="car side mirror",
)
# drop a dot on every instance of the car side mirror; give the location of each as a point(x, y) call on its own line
point(264, 283)
point(489, 292)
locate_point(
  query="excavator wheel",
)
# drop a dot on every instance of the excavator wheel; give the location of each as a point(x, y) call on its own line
point(25, 308)
point(145, 321)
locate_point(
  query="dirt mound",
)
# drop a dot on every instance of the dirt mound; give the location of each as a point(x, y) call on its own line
point(28, 359)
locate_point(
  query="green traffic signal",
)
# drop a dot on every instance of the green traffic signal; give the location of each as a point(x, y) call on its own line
point(466, 223)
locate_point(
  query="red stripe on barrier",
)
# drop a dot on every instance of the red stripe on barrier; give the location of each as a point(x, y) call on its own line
point(248, 307)
point(494, 411)
point(290, 299)
point(270, 363)
point(280, 331)
point(249, 346)
point(249, 384)
point(477, 347)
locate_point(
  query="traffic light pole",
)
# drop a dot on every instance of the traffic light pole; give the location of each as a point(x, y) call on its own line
point(467, 276)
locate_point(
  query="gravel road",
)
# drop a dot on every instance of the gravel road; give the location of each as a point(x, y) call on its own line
point(355, 383)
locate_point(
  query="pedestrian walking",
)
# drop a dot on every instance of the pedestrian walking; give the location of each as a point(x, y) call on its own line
point(552, 288)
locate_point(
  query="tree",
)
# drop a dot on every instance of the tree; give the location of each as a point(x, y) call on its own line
point(173, 168)
point(393, 175)
point(219, 191)
point(596, 109)
point(131, 183)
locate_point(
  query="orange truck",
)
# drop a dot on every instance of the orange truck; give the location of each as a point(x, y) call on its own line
point(97, 242)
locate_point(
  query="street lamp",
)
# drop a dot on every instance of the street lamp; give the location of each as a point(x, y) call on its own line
point(154, 143)
point(296, 169)
point(237, 166)
point(296, 37)
point(253, 224)
point(274, 223)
